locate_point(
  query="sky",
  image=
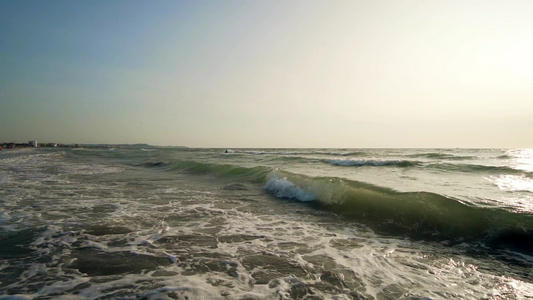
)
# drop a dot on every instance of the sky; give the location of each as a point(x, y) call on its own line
point(299, 73)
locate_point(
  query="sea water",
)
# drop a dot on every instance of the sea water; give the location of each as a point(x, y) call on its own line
point(179, 223)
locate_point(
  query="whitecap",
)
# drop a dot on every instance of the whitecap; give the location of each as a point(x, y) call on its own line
point(283, 188)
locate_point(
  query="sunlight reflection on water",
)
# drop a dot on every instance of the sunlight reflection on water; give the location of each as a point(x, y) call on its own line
point(520, 186)
point(514, 183)
point(523, 159)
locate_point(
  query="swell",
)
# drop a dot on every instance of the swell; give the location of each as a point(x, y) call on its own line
point(255, 174)
point(292, 152)
point(477, 168)
point(446, 167)
point(438, 155)
point(371, 162)
point(348, 161)
point(419, 215)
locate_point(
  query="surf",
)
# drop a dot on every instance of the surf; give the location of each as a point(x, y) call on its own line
point(418, 215)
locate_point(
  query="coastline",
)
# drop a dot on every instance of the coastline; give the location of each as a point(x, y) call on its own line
point(14, 145)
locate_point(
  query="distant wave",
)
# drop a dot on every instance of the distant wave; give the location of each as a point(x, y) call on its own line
point(348, 153)
point(260, 152)
point(375, 163)
point(444, 156)
point(477, 168)
point(420, 215)
point(255, 174)
point(445, 167)
point(308, 152)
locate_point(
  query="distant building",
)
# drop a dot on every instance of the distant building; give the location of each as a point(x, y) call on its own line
point(33, 143)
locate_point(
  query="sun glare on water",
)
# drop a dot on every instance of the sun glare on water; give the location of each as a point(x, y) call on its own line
point(520, 186)
point(523, 159)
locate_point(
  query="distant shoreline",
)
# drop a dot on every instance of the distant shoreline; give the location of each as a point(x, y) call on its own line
point(14, 145)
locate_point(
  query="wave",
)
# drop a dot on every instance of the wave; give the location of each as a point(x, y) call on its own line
point(419, 215)
point(261, 152)
point(447, 167)
point(313, 156)
point(477, 168)
point(348, 153)
point(438, 155)
point(154, 164)
point(375, 163)
point(283, 188)
point(255, 174)
point(308, 152)
point(21, 155)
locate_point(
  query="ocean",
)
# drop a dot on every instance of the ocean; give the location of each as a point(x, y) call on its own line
point(178, 223)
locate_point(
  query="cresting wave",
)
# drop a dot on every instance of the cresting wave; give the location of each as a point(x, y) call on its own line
point(419, 215)
point(415, 214)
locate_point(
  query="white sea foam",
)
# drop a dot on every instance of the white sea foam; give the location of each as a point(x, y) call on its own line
point(16, 297)
point(35, 270)
point(283, 188)
point(220, 242)
point(92, 244)
point(171, 257)
point(59, 287)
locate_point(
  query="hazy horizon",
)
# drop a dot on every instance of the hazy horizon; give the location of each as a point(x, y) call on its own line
point(40, 144)
point(268, 74)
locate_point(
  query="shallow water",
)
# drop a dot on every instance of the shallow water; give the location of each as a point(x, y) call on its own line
point(171, 223)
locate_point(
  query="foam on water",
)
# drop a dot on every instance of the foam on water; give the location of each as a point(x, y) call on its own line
point(283, 188)
point(155, 233)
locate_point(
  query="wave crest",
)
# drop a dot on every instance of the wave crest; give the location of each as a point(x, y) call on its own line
point(283, 188)
point(421, 215)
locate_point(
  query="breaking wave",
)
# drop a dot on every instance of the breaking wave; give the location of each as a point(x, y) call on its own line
point(419, 215)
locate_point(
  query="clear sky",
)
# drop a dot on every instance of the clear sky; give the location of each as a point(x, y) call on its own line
point(268, 73)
